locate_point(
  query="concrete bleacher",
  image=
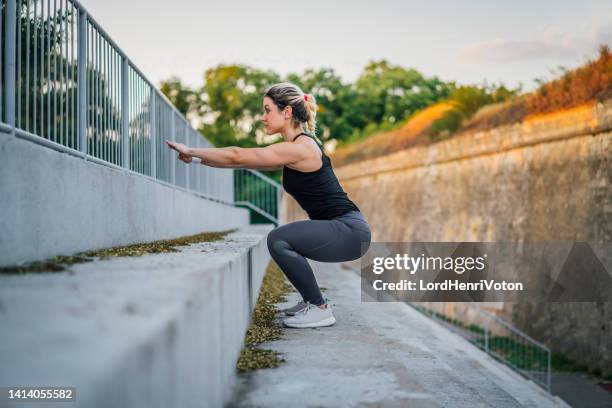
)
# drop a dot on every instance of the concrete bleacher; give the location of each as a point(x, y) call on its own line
point(158, 330)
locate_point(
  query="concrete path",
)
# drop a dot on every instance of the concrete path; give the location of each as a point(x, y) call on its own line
point(381, 355)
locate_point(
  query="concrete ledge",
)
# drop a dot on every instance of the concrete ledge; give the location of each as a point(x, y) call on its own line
point(159, 330)
point(54, 203)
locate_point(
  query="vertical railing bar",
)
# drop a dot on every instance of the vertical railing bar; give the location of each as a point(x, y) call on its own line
point(147, 154)
point(134, 117)
point(82, 84)
point(548, 371)
point(137, 121)
point(48, 77)
point(153, 119)
point(147, 130)
point(62, 61)
point(130, 124)
point(113, 104)
point(44, 22)
point(19, 85)
point(102, 75)
point(124, 112)
point(95, 72)
point(9, 67)
point(107, 80)
point(27, 92)
point(133, 121)
point(172, 156)
point(487, 334)
point(2, 88)
point(72, 81)
point(35, 82)
point(145, 109)
point(42, 68)
point(278, 204)
point(68, 79)
point(99, 92)
point(91, 94)
point(54, 71)
point(91, 70)
point(140, 124)
point(187, 167)
point(117, 111)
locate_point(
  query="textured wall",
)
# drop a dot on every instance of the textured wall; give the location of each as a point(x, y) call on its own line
point(54, 203)
point(548, 178)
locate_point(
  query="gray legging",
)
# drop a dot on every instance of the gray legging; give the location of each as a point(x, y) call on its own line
point(335, 240)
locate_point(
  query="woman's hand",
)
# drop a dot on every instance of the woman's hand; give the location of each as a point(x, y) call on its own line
point(183, 151)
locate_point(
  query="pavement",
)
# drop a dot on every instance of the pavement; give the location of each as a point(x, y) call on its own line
point(380, 354)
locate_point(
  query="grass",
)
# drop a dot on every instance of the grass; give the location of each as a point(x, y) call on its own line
point(60, 262)
point(264, 326)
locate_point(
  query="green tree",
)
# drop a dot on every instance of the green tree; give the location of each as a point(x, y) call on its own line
point(181, 96)
point(333, 99)
point(230, 104)
point(388, 94)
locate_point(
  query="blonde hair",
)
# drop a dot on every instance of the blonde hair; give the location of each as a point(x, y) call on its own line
point(304, 106)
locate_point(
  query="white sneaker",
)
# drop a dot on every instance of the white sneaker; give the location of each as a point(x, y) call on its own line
point(291, 311)
point(311, 316)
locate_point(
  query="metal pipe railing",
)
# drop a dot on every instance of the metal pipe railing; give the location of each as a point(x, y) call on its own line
point(496, 337)
point(67, 83)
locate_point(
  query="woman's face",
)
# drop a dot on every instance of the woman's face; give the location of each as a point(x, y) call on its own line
point(273, 119)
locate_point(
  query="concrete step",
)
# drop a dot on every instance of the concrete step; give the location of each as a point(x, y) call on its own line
point(381, 354)
point(158, 330)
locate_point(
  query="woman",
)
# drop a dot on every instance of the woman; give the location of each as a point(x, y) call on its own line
point(336, 228)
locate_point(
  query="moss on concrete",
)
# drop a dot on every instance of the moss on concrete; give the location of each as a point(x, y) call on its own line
point(59, 263)
point(264, 326)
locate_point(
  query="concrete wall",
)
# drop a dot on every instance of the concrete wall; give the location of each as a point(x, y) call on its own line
point(548, 178)
point(55, 203)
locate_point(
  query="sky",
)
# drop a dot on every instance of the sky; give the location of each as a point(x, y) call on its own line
point(513, 42)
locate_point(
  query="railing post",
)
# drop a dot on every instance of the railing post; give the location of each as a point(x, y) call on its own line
point(172, 156)
point(188, 166)
point(153, 130)
point(9, 64)
point(548, 371)
point(278, 205)
point(82, 84)
point(198, 187)
point(125, 113)
point(486, 345)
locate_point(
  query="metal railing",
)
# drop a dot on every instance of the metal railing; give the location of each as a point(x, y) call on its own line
point(68, 86)
point(496, 337)
point(257, 192)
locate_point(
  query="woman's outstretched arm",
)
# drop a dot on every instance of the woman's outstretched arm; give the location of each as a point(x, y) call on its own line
point(273, 156)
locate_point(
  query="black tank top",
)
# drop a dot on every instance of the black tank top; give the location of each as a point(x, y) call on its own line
point(318, 192)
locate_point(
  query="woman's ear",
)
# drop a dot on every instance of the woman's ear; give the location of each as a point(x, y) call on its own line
point(287, 112)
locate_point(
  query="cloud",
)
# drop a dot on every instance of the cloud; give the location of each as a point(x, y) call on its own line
point(554, 44)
